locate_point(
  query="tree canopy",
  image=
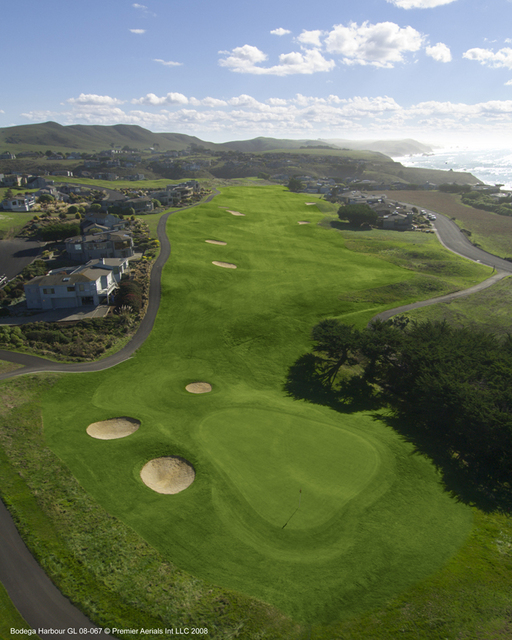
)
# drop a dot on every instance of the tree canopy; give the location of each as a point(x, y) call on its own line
point(358, 214)
point(452, 385)
point(294, 184)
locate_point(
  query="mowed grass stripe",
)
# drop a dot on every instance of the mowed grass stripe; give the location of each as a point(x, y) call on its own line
point(373, 518)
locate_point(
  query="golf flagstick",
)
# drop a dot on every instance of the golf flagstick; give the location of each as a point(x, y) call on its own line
point(300, 496)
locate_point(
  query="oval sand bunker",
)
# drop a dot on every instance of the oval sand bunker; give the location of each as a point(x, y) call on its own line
point(304, 222)
point(199, 387)
point(169, 475)
point(216, 242)
point(226, 265)
point(113, 429)
point(236, 213)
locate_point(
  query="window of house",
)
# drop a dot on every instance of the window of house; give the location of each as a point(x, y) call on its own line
point(81, 287)
point(48, 291)
point(71, 288)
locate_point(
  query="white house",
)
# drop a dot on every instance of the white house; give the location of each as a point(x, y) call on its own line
point(19, 203)
point(89, 284)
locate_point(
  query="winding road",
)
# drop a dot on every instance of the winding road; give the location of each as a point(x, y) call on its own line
point(32, 592)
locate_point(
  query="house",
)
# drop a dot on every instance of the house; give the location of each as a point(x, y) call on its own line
point(12, 180)
point(89, 284)
point(397, 221)
point(112, 244)
point(7, 156)
point(107, 220)
point(141, 205)
point(19, 203)
point(37, 182)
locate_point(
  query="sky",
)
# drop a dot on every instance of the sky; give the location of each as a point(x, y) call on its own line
point(439, 71)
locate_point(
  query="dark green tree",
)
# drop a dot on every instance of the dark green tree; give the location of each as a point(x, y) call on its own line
point(358, 214)
point(295, 185)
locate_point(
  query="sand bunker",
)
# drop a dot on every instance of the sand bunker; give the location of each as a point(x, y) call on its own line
point(216, 242)
point(304, 222)
point(113, 429)
point(199, 387)
point(169, 475)
point(235, 213)
point(226, 265)
point(309, 204)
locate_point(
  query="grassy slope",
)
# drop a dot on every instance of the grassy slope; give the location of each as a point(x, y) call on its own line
point(473, 311)
point(240, 329)
point(489, 230)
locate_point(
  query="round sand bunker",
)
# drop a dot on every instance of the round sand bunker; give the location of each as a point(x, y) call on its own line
point(113, 428)
point(216, 242)
point(226, 265)
point(169, 475)
point(199, 387)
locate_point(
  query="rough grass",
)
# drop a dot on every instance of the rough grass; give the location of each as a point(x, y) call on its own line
point(488, 310)
point(10, 618)
point(352, 547)
point(490, 231)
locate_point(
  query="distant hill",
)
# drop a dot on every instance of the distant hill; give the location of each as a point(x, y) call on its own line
point(77, 137)
point(393, 148)
point(260, 145)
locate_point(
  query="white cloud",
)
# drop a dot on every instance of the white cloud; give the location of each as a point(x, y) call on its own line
point(440, 52)
point(381, 45)
point(280, 32)
point(311, 38)
point(419, 4)
point(139, 6)
point(246, 59)
point(139, 31)
point(93, 99)
point(500, 59)
point(508, 83)
point(169, 63)
point(170, 98)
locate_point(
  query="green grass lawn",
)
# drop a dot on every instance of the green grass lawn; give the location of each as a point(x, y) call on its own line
point(373, 518)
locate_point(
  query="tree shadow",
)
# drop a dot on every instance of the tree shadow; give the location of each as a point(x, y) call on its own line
point(474, 487)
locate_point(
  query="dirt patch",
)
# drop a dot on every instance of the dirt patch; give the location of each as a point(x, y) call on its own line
point(168, 475)
point(199, 387)
point(235, 213)
point(304, 222)
point(216, 242)
point(113, 428)
point(226, 265)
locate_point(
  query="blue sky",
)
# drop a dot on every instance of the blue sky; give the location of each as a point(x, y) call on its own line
point(436, 70)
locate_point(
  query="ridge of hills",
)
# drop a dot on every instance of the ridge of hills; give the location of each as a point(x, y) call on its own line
point(360, 160)
point(97, 137)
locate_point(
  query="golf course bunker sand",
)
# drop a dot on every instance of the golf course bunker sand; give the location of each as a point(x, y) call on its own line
point(226, 265)
point(236, 213)
point(113, 428)
point(304, 222)
point(199, 387)
point(216, 242)
point(168, 475)
point(309, 204)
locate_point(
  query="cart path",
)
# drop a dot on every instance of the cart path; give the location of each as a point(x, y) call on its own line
point(385, 315)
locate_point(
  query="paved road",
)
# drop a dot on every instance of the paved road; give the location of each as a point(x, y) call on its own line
point(16, 254)
point(35, 596)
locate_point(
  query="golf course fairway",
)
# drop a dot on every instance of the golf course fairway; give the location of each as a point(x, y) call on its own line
point(320, 513)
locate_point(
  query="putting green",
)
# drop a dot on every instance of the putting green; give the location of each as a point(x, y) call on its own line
point(373, 518)
point(271, 458)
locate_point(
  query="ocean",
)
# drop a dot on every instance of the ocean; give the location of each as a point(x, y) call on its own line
point(492, 166)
